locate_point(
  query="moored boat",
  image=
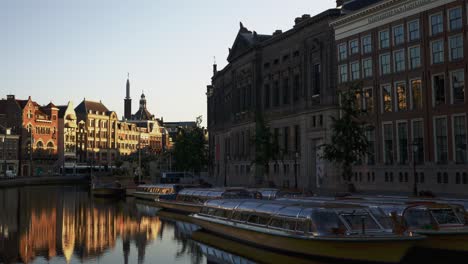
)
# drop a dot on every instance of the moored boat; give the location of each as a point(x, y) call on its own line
point(163, 191)
point(192, 200)
point(107, 191)
point(340, 231)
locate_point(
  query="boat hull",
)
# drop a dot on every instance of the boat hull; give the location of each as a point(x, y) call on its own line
point(108, 192)
point(152, 196)
point(373, 250)
point(185, 208)
point(444, 241)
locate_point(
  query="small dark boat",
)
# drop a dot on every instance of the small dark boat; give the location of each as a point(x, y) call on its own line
point(111, 190)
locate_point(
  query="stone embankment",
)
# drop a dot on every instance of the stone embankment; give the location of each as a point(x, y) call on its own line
point(42, 180)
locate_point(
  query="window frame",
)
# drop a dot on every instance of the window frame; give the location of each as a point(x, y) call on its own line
point(454, 147)
point(383, 143)
point(398, 122)
point(363, 50)
point(389, 62)
point(411, 93)
point(430, 23)
point(340, 72)
point(383, 100)
point(412, 138)
point(350, 47)
point(449, 25)
point(343, 44)
point(364, 69)
point(410, 65)
point(452, 101)
point(409, 32)
point(436, 152)
point(433, 88)
point(395, 61)
point(450, 38)
point(403, 34)
point(388, 39)
point(358, 68)
point(432, 51)
point(395, 90)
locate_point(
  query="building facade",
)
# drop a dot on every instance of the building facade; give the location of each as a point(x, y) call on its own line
point(9, 153)
point(67, 138)
point(409, 56)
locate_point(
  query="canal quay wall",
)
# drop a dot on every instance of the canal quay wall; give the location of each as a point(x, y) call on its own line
point(43, 180)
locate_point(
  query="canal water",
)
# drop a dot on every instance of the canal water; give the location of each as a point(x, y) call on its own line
point(56, 224)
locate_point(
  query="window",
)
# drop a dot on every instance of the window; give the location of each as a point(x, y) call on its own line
point(441, 140)
point(418, 140)
point(416, 95)
point(455, 18)
point(384, 39)
point(437, 51)
point(438, 82)
point(370, 135)
point(456, 47)
point(342, 51)
point(398, 35)
point(403, 143)
point(414, 57)
point(401, 96)
point(286, 91)
point(286, 140)
point(368, 100)
point(384, 64)
point(436, 24)
point(267, 96)
point(367, 67)
point(388, 143)
point(413, 30)
point(457, 81)
point(276, 94)
point(297, 87)
point(355, 74)
point(399, 58)
point(316, 88)
point(354, 46)
point(367, 44)
point(387, 98)
point(297, 138)
point(459, 132)
point(343, 73)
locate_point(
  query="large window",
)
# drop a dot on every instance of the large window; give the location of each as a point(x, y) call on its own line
point(342, 51)
point(399, 59)
point(456, 47)
point(416, 95)
point(384, 64)
point(343, 73)
point(368, 100)
point(388, 143)
point(317, 77)
point(355, 73)
point(441, 140)
point(418, 141)
point(414, 57)
point(459, 132)
point(384, 39)
point(398, 35)
point(437, 51)
point(276, 92)
point(297, 87)
point(387, 98)
point(370, 134)
point(403, 143)
point(438, 83)
point(455, 18)
point(354, 46)
point(286, 91)
point(437, 25)
point(267, 96)
point(367, 44)
point(413, 30)
point(367, 67)
point(401, 96)
point(457, 82)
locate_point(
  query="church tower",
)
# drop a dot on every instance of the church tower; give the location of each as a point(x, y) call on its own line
point(128, 101)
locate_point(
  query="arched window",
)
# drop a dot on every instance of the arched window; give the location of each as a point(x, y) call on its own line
point(40, 145)
point(50, 146)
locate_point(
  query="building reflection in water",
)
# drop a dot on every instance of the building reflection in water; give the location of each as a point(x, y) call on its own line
point(62, 222)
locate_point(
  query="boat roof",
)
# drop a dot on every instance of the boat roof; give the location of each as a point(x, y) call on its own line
point(167, 185)
point(210, 192)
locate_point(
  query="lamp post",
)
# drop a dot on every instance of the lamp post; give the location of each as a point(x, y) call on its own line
point(415, 146)
point(296, 156)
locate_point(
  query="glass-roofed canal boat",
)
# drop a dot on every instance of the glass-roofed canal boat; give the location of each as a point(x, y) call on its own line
point(163, 191)
point(341, 231)
point(191, 200)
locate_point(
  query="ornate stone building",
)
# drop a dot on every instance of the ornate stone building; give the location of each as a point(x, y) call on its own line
point(67, 138)
point(409, 55)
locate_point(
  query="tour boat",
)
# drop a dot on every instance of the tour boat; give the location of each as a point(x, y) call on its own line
point(192, 200)
point(110, 190)
point(340, 231)
point(163, 191)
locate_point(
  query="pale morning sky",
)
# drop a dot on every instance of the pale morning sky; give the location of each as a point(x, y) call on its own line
point(62, 50)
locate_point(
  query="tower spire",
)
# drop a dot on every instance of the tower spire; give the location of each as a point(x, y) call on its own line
point(128, 100)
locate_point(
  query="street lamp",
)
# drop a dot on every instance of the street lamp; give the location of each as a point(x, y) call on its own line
point(415, 146)
point(296, 156)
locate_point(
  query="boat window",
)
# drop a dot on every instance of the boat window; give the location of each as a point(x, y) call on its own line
point(384, 220)
point(358, 219)
point(300, 226)
point(445, 216)
point(289, 224)
point(204, 210)
point(244, 216)
point(258, 219)
point(327, 222)
point(418, 218)
point(211, 211)
point(221, 213)
point(460, 211)
point(276, 222)
point(236, 216)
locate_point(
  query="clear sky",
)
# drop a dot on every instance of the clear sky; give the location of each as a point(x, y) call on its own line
point(62, 50)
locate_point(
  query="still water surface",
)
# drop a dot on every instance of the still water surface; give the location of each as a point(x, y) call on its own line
point(56, 224)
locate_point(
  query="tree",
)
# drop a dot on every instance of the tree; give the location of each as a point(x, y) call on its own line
point(349, 143)
point(190, 152)
point(265, 151)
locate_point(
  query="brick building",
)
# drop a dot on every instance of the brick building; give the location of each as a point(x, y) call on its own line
point(289, 79)
point(409, 55)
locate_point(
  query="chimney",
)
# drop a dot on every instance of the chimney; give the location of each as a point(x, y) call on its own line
point(215, 69)
point(339, 3)
point(277, 32)
point(305, 16)
point(11, 97)
point(297, 20)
